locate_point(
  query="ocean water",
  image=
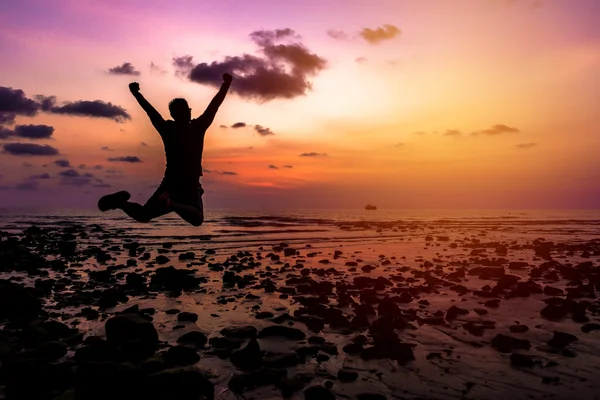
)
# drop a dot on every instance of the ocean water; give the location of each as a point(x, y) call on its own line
point(246, 228)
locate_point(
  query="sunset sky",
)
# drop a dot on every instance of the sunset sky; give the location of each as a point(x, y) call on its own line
point(337, 103)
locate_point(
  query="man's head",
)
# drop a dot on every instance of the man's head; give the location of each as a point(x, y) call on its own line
point(180, 111)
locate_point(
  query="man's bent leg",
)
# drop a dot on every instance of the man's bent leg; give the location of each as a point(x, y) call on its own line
point(193, 214)
point(155, 207)
point(190, 214)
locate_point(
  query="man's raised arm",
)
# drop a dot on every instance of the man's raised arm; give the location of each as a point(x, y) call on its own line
point(155, 117)
point(213, 106)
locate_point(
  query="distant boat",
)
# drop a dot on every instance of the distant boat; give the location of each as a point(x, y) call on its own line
point(370, 207)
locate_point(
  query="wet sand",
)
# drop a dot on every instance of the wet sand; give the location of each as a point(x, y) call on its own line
point(377, 311)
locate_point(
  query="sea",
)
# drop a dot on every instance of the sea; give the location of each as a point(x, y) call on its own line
point(235, 228)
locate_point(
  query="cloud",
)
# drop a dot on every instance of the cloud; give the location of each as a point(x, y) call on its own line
point(496, 130)
point(526, 145)
point(206, 171)
point(124, 69)
point(71, 177)
point(40, 176)
point(313, 154)
point(273, 167)
point(361, 60)
point(453, 132)
point(13, 102)
point(288, 166)
point(28, 132)
point(62, 163)
point(98, 167)
point(263, 131)
point(129, 159)
point(338, 35)
point(399, 145)
point(281, 73)
point(223, 126)
point(27, 185)
point(239, 125)
point(144, 144)
point(420, 133)
point(27, 164)
point(29, 149)
point(227, 172)
point(85, 108)
point(380, 34)
point(155, 69)
point(106, 148)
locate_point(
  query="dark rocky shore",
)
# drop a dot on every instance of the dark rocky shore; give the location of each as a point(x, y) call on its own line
point(456, 316)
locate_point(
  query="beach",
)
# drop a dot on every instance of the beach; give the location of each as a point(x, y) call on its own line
point(363, 305)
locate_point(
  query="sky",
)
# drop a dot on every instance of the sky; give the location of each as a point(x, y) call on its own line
point(441, 104)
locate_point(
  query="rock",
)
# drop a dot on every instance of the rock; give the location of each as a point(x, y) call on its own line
point(195, 338)
point(554, 312)
point(371, 396)
point(282, 331)
point(249, 357)
point(33, 379)
point(561, 339)
point(187, 316)
point(587, 328)
point(51, 351)
point(281, 360)
point(181, 355)
point(353, 348)
point(244, 332)
point(126, 328)
point(161, 259)
point(453, 312)
point(181, 383)
point(347, 375)
point(552, 291)
point(18, 303)
point(263, 377)
point(518, 328)
point(290, 386)
point(318, 393)
point(506, 344)
point(110, 380)
point(316, 340)
point(521, 360)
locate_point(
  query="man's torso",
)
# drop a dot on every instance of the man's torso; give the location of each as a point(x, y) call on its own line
point(184, 144)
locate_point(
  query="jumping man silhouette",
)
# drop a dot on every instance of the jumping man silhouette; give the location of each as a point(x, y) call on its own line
point(183, 138)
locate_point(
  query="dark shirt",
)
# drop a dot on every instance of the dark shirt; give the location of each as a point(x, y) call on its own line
point(184, 143)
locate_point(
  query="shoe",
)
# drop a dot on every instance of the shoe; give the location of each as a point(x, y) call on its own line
point(113, 201)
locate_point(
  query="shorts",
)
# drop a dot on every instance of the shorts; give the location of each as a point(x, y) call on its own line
point(190, 195)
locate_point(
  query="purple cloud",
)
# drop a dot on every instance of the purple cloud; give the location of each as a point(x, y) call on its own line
point(313, 154)
point(85, 108)
point(129, 159)
point(380, 34)
point(28, 132)
point(29, 149)
point(263, 131)
point(62, 163)
point(124, 69)
point(282, 71)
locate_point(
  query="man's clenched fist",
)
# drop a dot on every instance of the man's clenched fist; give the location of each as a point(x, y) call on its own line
point(134, 87)
point(227, 78)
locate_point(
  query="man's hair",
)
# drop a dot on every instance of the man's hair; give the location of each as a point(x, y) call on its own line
point(178, 103)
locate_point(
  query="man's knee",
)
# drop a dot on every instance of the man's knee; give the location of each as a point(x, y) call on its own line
point(197, 221)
